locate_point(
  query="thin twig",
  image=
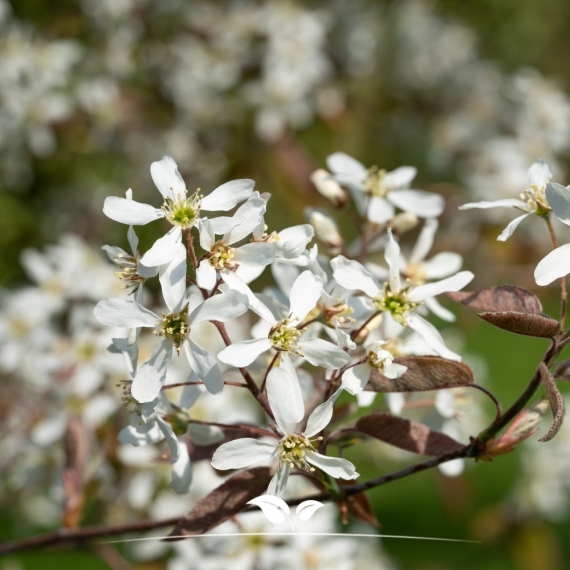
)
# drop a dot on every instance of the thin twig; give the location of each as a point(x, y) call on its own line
point(191, 252)
point(354, 334)
point(492, 396)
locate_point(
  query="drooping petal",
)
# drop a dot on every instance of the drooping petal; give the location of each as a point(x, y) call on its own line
point(255, 254)
point(433, 305)
point(207, 236)
point(380, 210)
point(431, 337)
point(355, 378)
point(505, 203)
point(422, 204)
point(223, 307)
point(124, 313)
point(132, 239)
point(454, 283)
point(243, 353)
point(293, 241)
point(163, 249)
point(206, 275)
point(305, 294)
point(285, 399)
point(392, 257)
point(342, 164)
point(335, 466)
point(539, 174)
point(353, 275)
point(425, 241)
point(508, 231)
point(167, 178)
point(190, 393)
point(442, 265)
point(172, 278)
point(130, 212)
point(558, 197)
point(205, 366)
point(555, 265)
point(228, 195)
point(242, 453)
point(319, 352)
point(182, 470)
point(321, 415)
point(278, 482)
point(150, 377)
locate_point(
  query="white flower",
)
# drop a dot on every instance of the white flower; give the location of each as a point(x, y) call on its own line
point(293, 449)
point(328, 187)
point(325, 227)
point(376, 192)
point(397, 300)
point(285, 334)
point(174, 327)
point(533, 199)
point(181, 210)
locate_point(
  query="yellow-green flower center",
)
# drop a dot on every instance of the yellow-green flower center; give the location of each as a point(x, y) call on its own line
point(535, 199)
point(174, 326)
point(339, 314)
point(292, 450)
point(397, 304)
point(376, 361)
point(183, 211)
point(221, 256)
point(374, 183)
point(129, 268)
point(284, 337)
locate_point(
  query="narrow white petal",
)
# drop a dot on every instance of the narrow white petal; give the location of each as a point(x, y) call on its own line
point(442, 265)
point(539, 174)
point(445, 403)
point(190, 393)
point(182, 470)
point(163, 249)
point(452, 468)
point(133, 239)
point(380, 210)
point(206, 275)
point(243, 353)
point(433, 305)
point(242, 453)
point(255, 254)
point(167, 178)
point(278, 482)
point(319, 352)
point(365, 399)
point(285, 399)
point(138, 436)
point(400, 177)
point(172, 278)
point(425, 241)
point(235, 283)
point(396, 402)
point(505, 203)
point(454, 283)
point(228, 195)
point(394, 371)
point(431, 337)
point(150, 377)
point(392, 257)
point(205, 366)
point(207, 236)
point(355, 378)
point(123, 313)
point(250, 213)
point(170, 438)
point(334, 466)
point(341, 163)
point(305, 294)
point(353, 275)
point(222, 307)
point(556, 264)
point(130, 212)
point(321, 415)
point(422, 204)
point(558, 197)
point(508, 231)
point(292, 241)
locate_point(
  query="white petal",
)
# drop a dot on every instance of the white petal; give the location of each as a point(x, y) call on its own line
point(334, 466)
point(279, 480)
point(222, 307)
point(305, 294)
point(251, 213)
point(539, 174)
point(242, 453)
point(205, 366)
point(182, 469)
point(255, 254)
point(222, 225)
point(353, 275)
point(558, 197)
point(422, 204)
point(285, 399)
point(130, 212)
point(235, 283)
point(123, 313)
point(380, 210)
point(396, 402)
point(556, 264)
point(365, 399)
point(319, 352)
point(307, 509)
point(284, 276)
point(228, 195)
point(431, 337)
point(292, 241)
point(190, 393)
point(151, 375)
point(170, 438)
point(425, 241)
point(206, 275)
point(442, 265)
point(167, 178)
point(433, 305)
point(172, 278)
point(508, 231)
point(394, 371)
point(445, 403)
point(133, 239)
point(321, 415)
point(400, 177)
point(505, 203)
point(207, 236)
point(341, 163)
point(355, 378)
point(454, 283)
point(140, 435)
point(392, 257)
point(205, 435)
point(274, 509)
point(163, 249)
point(243, 353)
point(452, 468)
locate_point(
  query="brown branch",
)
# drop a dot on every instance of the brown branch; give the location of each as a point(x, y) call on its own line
point(238, 427)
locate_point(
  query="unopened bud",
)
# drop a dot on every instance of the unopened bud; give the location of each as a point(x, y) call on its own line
point(326, 229)
point(403, 222)
point(329, 188)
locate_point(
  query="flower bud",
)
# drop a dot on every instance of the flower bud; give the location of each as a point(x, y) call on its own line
point(403, 222)
point(329, 188)
point(326, 229)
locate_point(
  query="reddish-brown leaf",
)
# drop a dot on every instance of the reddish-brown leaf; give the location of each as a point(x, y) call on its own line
point(76, 447)
point(424, 373)
point(226, 501)
point(360, 508)
point(523, 323)
point(499, 299)
point(406, 434)
point(556, 402)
